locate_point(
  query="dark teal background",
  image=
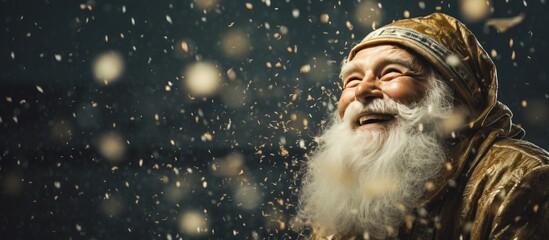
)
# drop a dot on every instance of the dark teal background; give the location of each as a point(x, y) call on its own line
point(273, 144)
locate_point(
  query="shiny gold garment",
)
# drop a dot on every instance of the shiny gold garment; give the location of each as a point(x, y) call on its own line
point(494, 186)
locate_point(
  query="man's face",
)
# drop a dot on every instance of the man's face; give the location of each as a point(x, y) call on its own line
point(383, 71)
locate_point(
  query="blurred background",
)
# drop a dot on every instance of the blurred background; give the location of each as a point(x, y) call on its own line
point(192, 118)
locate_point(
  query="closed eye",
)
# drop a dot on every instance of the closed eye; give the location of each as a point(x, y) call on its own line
point(353, 82)
point(390, 73)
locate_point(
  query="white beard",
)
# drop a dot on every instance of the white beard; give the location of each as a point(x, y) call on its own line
point(366, 182)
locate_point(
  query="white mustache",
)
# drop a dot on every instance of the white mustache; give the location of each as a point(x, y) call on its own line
point(386, 106)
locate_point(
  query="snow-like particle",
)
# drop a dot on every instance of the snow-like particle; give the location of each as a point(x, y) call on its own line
point(169, 19)
point(453, 60)
point(12, 55)
point(305, 68)
point(39, 89)
point(249, 6)
point(295, 13)
point(57, 184)
point(58, 57)
point(324, 18)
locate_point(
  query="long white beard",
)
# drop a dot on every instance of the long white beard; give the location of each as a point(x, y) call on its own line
point(366, 182)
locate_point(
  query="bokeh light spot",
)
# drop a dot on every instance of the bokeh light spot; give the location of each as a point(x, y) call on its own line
point(108, 67)
point(202, 79)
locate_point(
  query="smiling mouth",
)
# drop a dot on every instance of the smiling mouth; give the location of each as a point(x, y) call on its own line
point(374, 118)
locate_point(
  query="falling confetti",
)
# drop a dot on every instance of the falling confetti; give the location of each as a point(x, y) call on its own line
point(503, 24)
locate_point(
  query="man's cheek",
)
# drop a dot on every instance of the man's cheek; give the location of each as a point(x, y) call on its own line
point(346, 98)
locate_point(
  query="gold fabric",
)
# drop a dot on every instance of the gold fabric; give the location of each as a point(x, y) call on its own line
point(495, 186)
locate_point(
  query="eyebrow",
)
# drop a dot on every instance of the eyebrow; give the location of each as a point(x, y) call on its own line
point(350, 66)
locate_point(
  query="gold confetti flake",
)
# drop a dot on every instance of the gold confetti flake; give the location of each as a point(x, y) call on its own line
point(324, 18)
point(207, 137)
point(503, 24)
point(39, 89)
point(305, 68)
point(349, 25)
point(249, 6)
point(231, 74)
point(524, 103)
point(406, 14)
point(184, 46)
point(493, 53)
point(429, 186)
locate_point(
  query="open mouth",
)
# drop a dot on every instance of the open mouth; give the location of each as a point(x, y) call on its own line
point(374, 118)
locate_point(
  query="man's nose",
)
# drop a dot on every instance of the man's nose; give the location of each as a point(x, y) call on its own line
point(368, 89)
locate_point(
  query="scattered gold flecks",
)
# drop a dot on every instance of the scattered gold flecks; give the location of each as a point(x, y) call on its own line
point(249, 6)
point(429, 186)
point(324, 18)
point(409, 220)
point(406, 14)
point(503, 24)
point(535, 208)
point(283, 152)
point(184, 46)
point(493, 53)
point(305, 68)
point(207, 137)
point(39, 89)
point(448, 166)
point(513, 55)
point(524, 103)
point(231, 74)
point(349, 25)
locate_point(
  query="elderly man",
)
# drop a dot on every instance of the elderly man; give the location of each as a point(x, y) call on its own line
point(420, 148)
